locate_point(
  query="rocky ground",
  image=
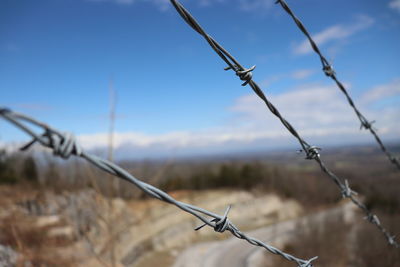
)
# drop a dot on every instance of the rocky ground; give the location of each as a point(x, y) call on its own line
point(82, 228)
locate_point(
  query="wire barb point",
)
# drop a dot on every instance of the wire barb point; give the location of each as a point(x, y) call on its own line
point(394, 159)
point(245, 74)
point(328, 70)
point(309, 262)
point(347, 192)
point(220, 224)
point(372, 218)
point(367, 124)
point(392, 241)
point(4, 110)
point(312, 152)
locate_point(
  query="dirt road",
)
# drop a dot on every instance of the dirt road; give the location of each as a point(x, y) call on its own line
point(238, 253)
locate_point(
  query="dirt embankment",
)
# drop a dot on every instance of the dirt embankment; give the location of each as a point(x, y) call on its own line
point(238, 253)
point(85, 229)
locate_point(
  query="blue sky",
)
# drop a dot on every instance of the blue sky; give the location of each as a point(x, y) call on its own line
point(57, 58)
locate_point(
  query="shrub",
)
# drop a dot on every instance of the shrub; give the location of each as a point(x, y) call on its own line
point(29, 170)
point(7, 173)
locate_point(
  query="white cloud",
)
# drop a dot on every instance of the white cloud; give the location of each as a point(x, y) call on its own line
point(205, 3)
point(395, 4)
point(318, 110)
point(254, 5)
point(334, 33)
point(173, 140)
point(302, 74)
point(125, 2)
point(299, 74)
point(309, 108)
point(163, 5)
point(381, 92)
point(244, 5)
point(320, 113)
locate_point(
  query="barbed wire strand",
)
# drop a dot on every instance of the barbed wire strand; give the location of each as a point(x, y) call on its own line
point(327, 68)
point(312, 152)
point(64, 145)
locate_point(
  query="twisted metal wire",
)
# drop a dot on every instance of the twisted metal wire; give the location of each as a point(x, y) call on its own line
point(327, 68)
point(65, 145)
point(312, 152)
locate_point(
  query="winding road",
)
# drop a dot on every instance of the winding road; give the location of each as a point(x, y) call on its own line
point(238, 253)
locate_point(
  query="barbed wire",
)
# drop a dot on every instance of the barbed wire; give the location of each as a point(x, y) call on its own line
point(312, 152)
point(327, 68)
point(65, 145)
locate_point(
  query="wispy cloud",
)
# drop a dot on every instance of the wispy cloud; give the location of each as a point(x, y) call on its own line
point(254, 5)
point(205, 3)
point(395, 4)
point(173, 140)
point(381, 92)
point(160, 4)
point(310, 107)
point(318, 112)
point(243, 5)
point(125, 2)
point(334, 33)
point(121, 2)
point(300, 74)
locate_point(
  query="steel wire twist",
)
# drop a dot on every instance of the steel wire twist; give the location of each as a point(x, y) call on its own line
point(327, 68)
point(312, 152)
point(65, 145)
